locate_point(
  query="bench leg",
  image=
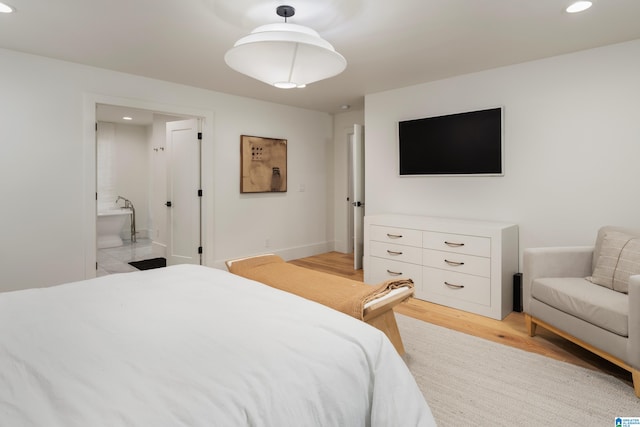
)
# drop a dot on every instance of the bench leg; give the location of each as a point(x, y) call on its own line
point(635, 374)
point(386, 322)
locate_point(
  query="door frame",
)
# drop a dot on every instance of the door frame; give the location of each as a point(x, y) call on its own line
point(90, 101)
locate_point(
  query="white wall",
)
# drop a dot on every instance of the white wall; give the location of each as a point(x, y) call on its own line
point(294, 223)
point(105, 166)
point(572, 145)
point(132, 173)
point(123, 162)
point(47, 168)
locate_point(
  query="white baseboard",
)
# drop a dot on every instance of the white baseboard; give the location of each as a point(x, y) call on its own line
point(305, 251)
point(287, 253)
point(158, 250)
point(341, 246)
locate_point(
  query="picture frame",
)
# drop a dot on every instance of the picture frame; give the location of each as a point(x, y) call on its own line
point(263, 164)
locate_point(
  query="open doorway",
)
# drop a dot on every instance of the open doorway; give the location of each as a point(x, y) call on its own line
point(143, 185)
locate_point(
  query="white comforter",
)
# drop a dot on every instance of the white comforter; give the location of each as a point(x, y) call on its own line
point(194, 346)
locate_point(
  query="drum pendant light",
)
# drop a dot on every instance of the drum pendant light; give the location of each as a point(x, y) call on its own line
point(285, 55)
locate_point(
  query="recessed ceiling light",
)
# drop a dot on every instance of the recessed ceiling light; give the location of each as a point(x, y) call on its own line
point(127, 118)
point(5, 8)
point(579, 6)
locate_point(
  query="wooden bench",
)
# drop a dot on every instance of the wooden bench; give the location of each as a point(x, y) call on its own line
point(371, 304)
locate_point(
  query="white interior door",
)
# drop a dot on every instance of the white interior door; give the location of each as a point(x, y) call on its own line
point(357, 202)
point(183, 193)
point(350, 197)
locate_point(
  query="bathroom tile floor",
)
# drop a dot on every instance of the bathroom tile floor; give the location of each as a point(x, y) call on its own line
point(116, 260)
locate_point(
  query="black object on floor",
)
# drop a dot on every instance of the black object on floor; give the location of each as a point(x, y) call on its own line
point(148, 264)
point(517, 292)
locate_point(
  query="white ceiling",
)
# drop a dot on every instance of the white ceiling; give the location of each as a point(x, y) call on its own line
point(116, 114)
point(387, 44)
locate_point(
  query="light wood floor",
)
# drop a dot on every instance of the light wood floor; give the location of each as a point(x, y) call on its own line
point(510, 331)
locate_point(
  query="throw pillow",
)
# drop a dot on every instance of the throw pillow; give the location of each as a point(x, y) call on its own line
point(605, 266)
point(619, 258)
point(628, 265)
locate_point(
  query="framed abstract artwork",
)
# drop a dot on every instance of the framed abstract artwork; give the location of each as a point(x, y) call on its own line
point(263, 164)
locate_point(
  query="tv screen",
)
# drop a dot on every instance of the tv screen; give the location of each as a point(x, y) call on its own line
point(456, 144)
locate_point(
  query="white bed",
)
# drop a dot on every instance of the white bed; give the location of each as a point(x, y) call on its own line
point(194, 346)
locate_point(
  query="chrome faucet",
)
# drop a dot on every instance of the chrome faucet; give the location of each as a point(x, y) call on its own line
point(127, 202)
point(129, 205)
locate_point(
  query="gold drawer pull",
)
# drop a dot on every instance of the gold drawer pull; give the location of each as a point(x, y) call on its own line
point(453, 244)
point(394, 273)
point(451, 285)
point(454, 263)
point(393, 252)
point(394, 236)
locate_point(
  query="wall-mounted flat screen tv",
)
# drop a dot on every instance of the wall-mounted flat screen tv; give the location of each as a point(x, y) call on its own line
point(468, 143)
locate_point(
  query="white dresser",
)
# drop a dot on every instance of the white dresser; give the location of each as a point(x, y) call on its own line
point(464, 264)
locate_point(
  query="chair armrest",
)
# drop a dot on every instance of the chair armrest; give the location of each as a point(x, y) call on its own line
point(569, 261)
point(633, 350)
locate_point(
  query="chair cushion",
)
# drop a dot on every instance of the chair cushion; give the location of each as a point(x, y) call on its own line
point(619, 258)
point(592, 303)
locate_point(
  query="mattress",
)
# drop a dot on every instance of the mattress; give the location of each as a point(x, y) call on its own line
point(194, 346)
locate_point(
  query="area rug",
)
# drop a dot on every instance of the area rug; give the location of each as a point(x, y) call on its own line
point(471, 381)
point(148, 264)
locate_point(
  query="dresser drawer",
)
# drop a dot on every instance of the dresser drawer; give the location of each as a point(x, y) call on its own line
point(396, 252)
point(460, 263)
point(458, 286)
point(385, 269)
point(458, 243)
point(398, 236)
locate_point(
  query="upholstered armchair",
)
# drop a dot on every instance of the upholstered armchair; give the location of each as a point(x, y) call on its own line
point(589, 295)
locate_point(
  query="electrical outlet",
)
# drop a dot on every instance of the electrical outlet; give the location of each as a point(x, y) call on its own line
point(267, 243)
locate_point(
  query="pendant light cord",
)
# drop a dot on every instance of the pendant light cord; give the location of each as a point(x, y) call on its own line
point(293, 62)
